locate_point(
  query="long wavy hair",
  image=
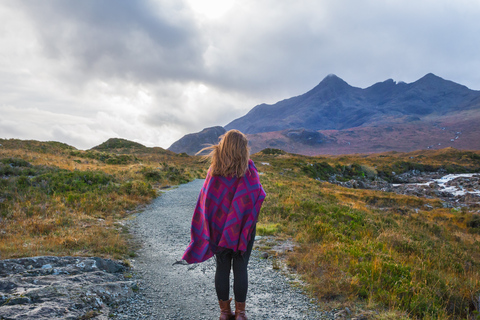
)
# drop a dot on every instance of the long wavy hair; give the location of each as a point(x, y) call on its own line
point(230, 156)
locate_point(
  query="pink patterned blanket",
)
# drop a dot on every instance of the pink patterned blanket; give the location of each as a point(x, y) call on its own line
point(226, 213)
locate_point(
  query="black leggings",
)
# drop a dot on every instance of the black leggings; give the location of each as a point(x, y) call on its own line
point(240, 274)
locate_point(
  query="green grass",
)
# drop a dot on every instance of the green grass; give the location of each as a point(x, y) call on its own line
point(267, 229)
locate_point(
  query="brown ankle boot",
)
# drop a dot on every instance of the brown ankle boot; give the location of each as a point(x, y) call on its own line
point(225, 310)
point(240, 311)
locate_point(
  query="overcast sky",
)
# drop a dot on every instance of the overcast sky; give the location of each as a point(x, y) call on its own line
point(151, 71)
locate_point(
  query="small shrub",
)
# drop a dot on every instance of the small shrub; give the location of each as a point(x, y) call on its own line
point(151, 174)
point(272, 151)
point(138, 188)
point(474, 222)
point(14, 162)
point(321, 170)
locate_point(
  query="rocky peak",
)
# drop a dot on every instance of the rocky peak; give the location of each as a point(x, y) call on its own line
point(433, 82)
point(332, 81)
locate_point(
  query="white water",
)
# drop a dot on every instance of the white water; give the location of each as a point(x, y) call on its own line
point(456, 191)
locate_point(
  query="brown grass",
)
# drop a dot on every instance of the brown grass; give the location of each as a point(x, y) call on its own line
point(85, 222)
point(385, 256)
point(378, 250)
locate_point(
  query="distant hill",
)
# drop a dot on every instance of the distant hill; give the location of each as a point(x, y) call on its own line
point(36, 146)
point(194, 142)
point(123, 146)
point(117, 143)
point(336, 118)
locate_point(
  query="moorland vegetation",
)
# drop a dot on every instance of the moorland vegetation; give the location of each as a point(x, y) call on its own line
point(406, 257)
point(57, 200)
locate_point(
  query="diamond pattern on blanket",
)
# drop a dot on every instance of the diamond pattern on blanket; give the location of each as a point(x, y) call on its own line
point(225, 215)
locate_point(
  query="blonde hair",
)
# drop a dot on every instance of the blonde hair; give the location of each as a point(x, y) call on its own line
point(230, 156)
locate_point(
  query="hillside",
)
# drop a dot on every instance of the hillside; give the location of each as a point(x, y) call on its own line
point(192, 143)
point(335, 105)
point(57, 200)
point(117, 143)
point(123, 146)
point(36, 146)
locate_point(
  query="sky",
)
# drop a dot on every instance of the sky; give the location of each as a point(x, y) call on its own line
point(151, 71)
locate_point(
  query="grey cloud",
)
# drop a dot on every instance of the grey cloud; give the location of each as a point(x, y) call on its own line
point(133, 40)
point(264, 48)
point(290, 46)
point(97, 55)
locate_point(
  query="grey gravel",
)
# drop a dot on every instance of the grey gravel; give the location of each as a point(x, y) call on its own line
point(170, 290)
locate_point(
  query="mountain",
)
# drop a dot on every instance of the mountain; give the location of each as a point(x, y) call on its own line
point(194, 142)
point(337, 118)
point(335, 105)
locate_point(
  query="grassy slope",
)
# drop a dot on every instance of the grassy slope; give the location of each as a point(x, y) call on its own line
point(56, 200)
point(406, 254)
point(356, 247)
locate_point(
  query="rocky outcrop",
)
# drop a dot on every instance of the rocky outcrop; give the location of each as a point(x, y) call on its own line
point(62, 288)
point(455, 190)
point(304, 136)
point(194, 142)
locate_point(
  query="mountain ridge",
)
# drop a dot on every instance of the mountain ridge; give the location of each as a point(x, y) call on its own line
point(335, 105)
point(334, 108)
point(194, 142)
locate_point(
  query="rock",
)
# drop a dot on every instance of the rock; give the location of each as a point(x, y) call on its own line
point(109, 265)
point(284, 247)
point(422, 184)
point(361, 317)
point(305, 136)
point(340, 315)
point(61, 287)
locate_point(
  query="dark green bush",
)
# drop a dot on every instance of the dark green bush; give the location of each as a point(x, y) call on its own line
point(72, 181)
point(474, 222)
point(272, 151)
point(321, 170)
point(108, 158)
point(14, 162)
point(151, 174)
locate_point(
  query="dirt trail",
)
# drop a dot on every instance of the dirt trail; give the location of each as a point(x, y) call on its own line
point(174, 291)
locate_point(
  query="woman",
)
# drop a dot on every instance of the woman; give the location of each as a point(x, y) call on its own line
point(225, 217)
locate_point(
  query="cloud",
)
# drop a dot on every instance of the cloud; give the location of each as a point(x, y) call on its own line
point(134, 40)
point(154, 70)
point(295, 44)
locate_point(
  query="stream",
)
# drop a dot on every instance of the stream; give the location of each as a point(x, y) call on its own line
point(444, 184)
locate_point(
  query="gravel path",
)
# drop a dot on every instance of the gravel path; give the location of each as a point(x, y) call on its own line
point(175, 291)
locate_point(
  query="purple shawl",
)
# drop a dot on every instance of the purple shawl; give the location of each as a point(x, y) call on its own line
point(226, 213)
